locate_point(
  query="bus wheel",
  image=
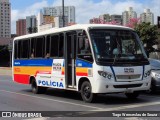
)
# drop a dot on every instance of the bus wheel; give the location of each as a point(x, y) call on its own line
point(133, 95)
point(86, 92)
point(37, 89)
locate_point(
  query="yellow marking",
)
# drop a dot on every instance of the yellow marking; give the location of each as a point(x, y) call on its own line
point(84, 70)
point(30, 70)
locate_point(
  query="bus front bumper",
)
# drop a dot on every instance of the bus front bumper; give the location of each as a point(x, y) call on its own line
point(118, 87)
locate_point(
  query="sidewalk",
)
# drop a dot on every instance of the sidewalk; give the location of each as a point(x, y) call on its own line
point(5, 71)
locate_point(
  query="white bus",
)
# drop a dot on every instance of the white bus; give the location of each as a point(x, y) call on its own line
point(89, 58)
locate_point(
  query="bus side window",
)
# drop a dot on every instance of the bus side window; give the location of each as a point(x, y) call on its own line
point(61, 45)
point(16, 49)
point(83, 47)
point(32, 53)
point(47, 46)
point(54, 45)
point(84, 51)
point(32, 50)
point(47, 55)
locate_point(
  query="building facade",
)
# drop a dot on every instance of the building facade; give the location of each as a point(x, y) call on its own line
point(105, 18)
point(31, 24)
point(44, 27)
point(44, 22)
point(94, 21)
point(69, 12)
point(117, 18)
point(59, 21)
point(147, 16)
point(21, 27)
point(5, 19)
point(127, 15)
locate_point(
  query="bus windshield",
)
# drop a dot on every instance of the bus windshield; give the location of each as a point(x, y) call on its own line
point(115, 46)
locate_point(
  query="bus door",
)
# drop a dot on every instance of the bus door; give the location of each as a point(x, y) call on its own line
point(70, 55)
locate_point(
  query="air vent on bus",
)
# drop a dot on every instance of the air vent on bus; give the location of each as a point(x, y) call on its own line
point(135, 76)
point(127, 86)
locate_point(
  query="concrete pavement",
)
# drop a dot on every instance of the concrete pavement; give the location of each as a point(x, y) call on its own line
point(5, 71)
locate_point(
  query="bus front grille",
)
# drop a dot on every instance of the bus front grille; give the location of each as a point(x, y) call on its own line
point(130, 77)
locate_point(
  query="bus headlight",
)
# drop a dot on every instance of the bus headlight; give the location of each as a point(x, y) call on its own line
point(157, 75)
point(105, 74)
point(147, 73)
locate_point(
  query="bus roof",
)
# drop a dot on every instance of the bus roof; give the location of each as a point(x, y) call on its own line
point(73, 27)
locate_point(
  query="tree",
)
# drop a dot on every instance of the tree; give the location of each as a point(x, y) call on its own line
point(133, 22)
point(32, 30)
point(148, 34)
point(29, 30)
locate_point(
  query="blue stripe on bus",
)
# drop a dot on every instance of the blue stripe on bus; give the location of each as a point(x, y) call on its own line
point(82, 63)
point(47, 62)
point(113, 72)
point(33, 62)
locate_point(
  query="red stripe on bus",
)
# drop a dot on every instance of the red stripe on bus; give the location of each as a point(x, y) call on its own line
point(81, 74)
point(78, 74)
point(24, 79)
point(62, 73)
point(42, 72)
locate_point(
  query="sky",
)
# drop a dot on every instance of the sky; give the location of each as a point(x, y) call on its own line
point(85, 9)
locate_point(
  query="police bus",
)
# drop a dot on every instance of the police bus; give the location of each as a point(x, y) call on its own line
point(88, 58)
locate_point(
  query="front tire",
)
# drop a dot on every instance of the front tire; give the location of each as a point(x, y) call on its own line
point(133, 95)
point(86, 92)
point(37, 89)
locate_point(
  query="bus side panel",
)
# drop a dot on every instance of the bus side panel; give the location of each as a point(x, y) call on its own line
point(24, 79)
point(23, 69)
point(84, 69)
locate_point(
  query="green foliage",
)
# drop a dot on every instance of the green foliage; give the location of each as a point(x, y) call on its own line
point(32, 30)
point(148, 34)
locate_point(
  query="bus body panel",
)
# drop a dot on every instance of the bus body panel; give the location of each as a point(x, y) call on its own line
point(129, 82)
point(83, 68)
point(49, 72)
point(48, 80)
point(24, 69)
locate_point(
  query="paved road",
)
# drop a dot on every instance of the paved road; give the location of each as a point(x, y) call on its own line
point(18, 97)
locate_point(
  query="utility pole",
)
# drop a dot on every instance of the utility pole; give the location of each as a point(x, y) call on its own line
point(63, 12)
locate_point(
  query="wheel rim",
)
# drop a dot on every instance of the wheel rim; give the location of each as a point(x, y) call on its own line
point(87, 92)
